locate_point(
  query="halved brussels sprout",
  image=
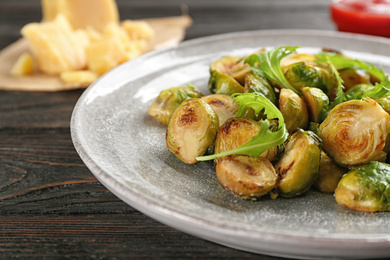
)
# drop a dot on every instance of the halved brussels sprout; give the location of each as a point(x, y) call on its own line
point(293, 109)
point(191, 130)
point(237, 131)
point(298, 167)
point(317, 102)
point(352, 77)
point(168, 100)
point(365, 188)
point(329, 175)
point(355, 132)
point(301, 75)
point(221, 80)
point(246, 176)
point(258, 84)
point(223, 105)
point(220, 83)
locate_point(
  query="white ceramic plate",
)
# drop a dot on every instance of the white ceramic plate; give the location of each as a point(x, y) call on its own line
point(125, 149)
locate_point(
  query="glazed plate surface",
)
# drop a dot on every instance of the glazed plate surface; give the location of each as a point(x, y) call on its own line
point(125, 149)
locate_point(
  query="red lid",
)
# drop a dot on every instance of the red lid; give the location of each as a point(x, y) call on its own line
point(362, 16)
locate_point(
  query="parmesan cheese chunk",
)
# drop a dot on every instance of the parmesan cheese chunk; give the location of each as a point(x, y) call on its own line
point(112, 48)
point(82, 13)
point(137, 30)
point(56, 46)
point(83, 77)
point(24, 65)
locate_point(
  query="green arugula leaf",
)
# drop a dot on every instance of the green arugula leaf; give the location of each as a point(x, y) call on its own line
point(380, 89)
point(267, 64)
point(375, 92)
point(340, 95)
point(265, 138)
point(342, 62)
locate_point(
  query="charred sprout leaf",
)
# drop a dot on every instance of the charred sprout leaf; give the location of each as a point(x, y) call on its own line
point(224, 64)
point(266, 138)
point(365, 188)
point(293, 109)
point(258, 84)
point(298, 167)
point(168, 100)
point(355, 132)
point(267, 64)
point(191, 130)
point(342, 62)
point(246, 176)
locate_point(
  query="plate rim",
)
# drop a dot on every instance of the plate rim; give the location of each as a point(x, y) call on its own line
point(164, 215)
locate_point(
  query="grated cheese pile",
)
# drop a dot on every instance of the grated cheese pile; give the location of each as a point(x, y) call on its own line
point(79, 40)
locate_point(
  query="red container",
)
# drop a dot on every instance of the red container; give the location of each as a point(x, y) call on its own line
point(362, 16)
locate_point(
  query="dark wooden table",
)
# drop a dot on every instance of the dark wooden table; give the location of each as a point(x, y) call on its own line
point(51, 206)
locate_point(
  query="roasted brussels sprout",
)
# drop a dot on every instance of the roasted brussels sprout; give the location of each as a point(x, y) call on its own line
point(258, 84)
point(317, 102)
point(246, 176)
point(293, 109)
point(223, 105)
point(298, 167)
point(191, 130)
point(352, 77)
point(354, 132)
point(225, 64)
point(365, 188)
point(329, 175)
point(168, 100)
point(221, 80)
point(220, 83)
point(301, 75)
point(237, 131)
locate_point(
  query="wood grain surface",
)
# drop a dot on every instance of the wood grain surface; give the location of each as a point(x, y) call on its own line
point(51, 206)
